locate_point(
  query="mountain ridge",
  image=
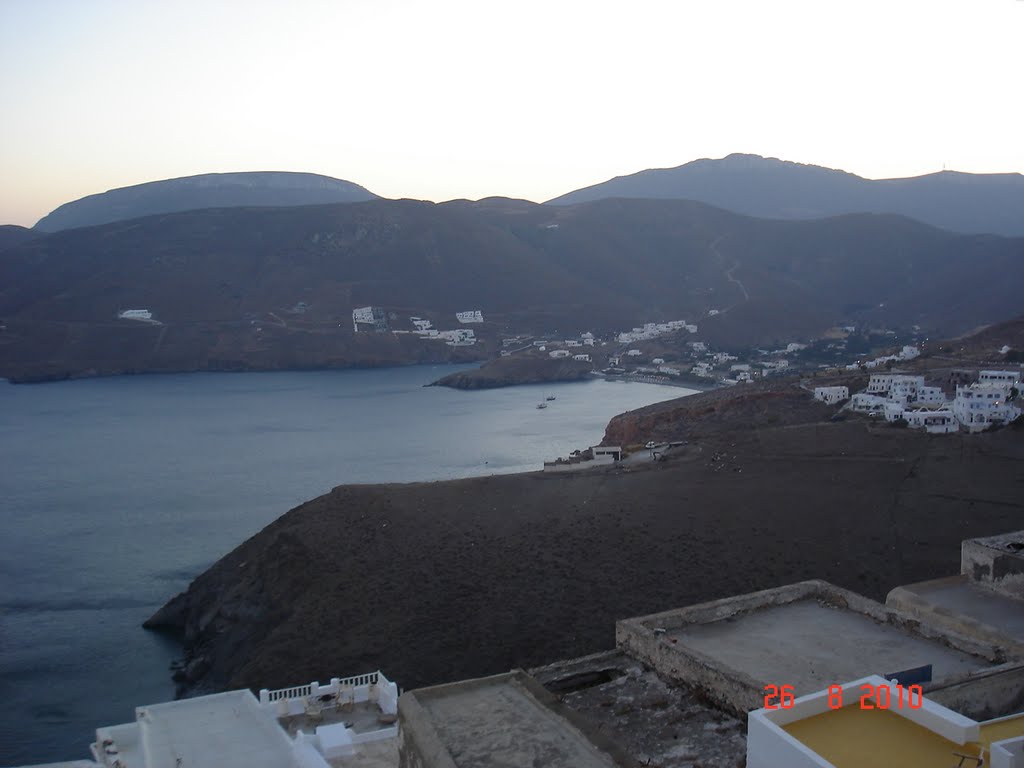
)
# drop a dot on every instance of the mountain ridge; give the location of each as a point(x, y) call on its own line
point(772, 188)
point(208, 190)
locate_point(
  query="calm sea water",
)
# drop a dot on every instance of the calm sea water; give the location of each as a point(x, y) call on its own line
point(115, 493)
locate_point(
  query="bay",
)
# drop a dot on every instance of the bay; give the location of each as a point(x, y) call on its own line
point(116, 492)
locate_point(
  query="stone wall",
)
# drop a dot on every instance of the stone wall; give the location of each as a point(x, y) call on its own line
point(996, 562)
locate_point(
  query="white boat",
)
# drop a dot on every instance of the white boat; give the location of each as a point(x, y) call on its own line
point(550, 397)
point(542, 405)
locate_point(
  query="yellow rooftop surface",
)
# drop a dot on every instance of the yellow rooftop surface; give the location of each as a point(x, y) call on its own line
point(1003, 728)
point(852, 737)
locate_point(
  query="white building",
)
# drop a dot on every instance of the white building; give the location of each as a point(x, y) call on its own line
point(697, 346)
point(941, 421)
point(669, 370)
point(864, 401)
point(739, 367)
point(883, 383)
point(1004, 379)
point(348, 721)
point(981, 405)
point(556, 353)
point(905, 389)
point(931, 396)
point(658, 360)
point(472, 316)
point(633, 353)
point(831, 395)
point(918, 731)
point(582, 358)
point(135, 314)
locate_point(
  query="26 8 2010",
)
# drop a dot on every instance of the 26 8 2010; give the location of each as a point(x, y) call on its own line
point(882, 696)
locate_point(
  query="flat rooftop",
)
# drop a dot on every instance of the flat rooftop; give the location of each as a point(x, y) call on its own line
point(225, 730)
point(656, 720)
point(956, 598)
point(811, 646)
point(808, 635)
point(507, 720)
point(853, 737)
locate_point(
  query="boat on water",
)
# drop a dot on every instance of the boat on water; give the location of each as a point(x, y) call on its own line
point(550, 397)
point(542, 405)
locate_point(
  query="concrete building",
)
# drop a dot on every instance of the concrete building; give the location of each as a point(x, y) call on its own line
point(471, 316)
point(985, 599)
point(809, 636)
point(582, 358)
point(557, 353)
point(633, 353)
point(831, 395)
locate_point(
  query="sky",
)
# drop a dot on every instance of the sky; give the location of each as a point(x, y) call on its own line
point(473, 98)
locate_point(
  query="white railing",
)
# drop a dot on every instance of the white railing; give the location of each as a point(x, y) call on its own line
point(356, 680)
point(295, 692)
point(357, 688)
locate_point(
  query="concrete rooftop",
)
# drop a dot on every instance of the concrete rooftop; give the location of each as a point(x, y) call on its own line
point(657, 721)
point(507, 720)
point(812, 646)
point(965, 607)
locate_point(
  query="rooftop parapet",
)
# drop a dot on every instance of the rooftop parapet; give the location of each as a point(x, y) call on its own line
point(995, 562)
point(806, 636)
point(506, 720)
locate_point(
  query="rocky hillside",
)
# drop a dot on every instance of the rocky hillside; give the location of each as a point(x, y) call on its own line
point(12, 234)
point(772, 188)
point(210, 190)
point(434, 582)
point(266, 288)
point(510, 371)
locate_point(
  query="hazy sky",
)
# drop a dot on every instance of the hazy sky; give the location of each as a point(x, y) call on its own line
point(444, 99)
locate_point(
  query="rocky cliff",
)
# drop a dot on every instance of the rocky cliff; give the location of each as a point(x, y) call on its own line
point(439, 581)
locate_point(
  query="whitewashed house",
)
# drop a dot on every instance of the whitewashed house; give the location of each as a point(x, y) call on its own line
point(556, 353)
point(471, 316)
point(1005, 379)
point(658, 360)
point(981, 405)
point(633, 353)
point(931, 396)
point(135, 314)
point(867, 402)
point(582, 358)
point(940, 421)
point(830, 395)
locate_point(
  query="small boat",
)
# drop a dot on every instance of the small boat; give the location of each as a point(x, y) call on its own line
point(542, 405)
point(550, 397)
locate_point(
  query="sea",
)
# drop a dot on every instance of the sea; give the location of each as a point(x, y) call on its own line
point(116, 492)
